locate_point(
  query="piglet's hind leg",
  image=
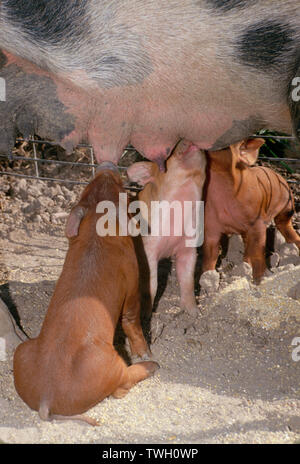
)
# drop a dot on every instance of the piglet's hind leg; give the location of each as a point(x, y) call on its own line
point(284, 224)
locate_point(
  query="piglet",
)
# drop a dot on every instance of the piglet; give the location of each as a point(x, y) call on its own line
point(241, 199)
point(72, 365)
point(182, 182)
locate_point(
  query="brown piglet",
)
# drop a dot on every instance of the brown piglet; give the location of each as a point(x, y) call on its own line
point(243, 199)
point(72, 365)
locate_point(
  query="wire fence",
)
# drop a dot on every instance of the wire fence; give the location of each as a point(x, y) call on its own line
point(37, 160)
point(92, 165)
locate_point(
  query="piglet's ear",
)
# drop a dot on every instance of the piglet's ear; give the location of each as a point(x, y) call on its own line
point(249, 151)
point(141, 172)
point(74, 220)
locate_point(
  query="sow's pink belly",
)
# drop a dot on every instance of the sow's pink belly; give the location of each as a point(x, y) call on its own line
point(71, 109)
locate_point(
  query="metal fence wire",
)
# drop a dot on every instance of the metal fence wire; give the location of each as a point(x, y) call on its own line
point(37, 160)
point(92, 165)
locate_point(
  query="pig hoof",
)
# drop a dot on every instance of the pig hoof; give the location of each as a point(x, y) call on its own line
point(152, 366)
point(274, 260)
point(149, 364)
point(243, 270)
point(137, 359)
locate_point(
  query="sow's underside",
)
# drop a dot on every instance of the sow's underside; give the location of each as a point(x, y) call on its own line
point(148, 72)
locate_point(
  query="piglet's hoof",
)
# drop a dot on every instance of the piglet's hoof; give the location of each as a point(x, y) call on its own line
point(149, 364)
point(209, 282)
point(243, 270)
point(137, 359)
point(153, 366)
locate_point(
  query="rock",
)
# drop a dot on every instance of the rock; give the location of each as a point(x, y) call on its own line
point(288, 249)
point(268, 274)
point(30, 199)
point(274, 260)
point(21, 184)
point(60, 198)
point(37, 219)
point(294, 423)
point(209, 282)
point(295, 292)
point(10, 335)
point(4, 186)
point(56, 190)
point(60, 215)
point(69, 195)
point(46, 202)
point(289, 254)
point(287, 267)
point(20, 189)
point(284, 282)
point(279, 240)
point(34, 191)
point(285, 253)
point(236, 283)
point(46, 217)
point(33, 207)
point(242, 270)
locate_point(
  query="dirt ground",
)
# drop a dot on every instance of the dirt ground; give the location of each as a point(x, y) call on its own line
point(230, 377)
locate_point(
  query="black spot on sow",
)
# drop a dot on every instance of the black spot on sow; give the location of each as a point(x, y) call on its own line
point(229, 5)
point(264, 44)
point(48, 21)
